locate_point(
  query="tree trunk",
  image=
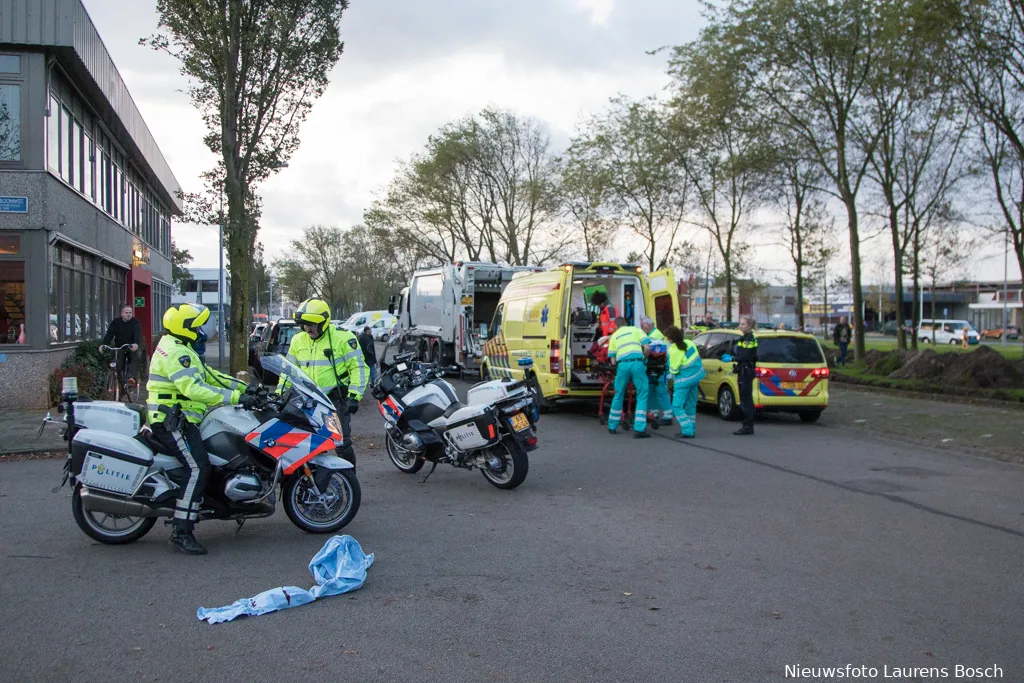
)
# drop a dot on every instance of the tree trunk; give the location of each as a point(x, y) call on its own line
point(728, 290)
point(897, 252)
point(858, 295)
point(915, 313)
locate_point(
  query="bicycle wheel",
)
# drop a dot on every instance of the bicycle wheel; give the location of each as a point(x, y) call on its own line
point(110, 387)
point(130, 391)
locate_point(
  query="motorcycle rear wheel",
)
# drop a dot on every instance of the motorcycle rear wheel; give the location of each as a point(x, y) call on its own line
point(514, 465)
point(300, 508)
point(405, 461)
point(107, 528)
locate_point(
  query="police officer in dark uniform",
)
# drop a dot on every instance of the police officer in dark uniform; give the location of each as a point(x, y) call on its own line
point(745, 355)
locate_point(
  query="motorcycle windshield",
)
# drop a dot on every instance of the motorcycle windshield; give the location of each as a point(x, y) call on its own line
point(281, 366)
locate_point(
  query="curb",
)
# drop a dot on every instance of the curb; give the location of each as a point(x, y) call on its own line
point(36, 454)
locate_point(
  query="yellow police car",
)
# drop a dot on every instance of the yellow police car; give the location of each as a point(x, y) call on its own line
point(792, 373)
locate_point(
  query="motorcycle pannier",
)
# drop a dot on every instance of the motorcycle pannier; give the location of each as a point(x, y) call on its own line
point(109, 461)
point(475, 431)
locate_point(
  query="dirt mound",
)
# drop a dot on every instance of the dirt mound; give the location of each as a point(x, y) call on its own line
point(982, 369)
point(885, 362)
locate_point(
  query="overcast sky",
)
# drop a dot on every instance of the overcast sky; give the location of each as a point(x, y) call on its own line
point(409, 67)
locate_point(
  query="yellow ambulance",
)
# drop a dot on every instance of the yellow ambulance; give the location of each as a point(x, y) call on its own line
point(548, 317)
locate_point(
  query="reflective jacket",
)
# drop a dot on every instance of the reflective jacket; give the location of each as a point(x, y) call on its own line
point(178, 377)
point(745, 353)
point(656, 334)
point(679, 359)
point(627, 343)
point(345, 366)
point(607, 318)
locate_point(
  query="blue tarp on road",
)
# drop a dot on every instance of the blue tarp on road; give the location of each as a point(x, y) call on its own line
point(338, 568)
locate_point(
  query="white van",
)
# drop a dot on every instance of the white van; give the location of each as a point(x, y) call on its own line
point(946, 332)
point(379, 323)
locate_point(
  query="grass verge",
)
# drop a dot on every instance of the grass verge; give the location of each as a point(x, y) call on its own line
point(860, 376)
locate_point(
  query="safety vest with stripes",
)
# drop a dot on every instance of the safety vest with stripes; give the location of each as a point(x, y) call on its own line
point(344, 365)
point(627, 343)
point(679, 358)
point(178, 377)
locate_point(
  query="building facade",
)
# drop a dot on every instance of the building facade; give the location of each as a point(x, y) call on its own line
point(86, 197)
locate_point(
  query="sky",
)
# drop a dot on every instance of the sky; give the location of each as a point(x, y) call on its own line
point(409, 67)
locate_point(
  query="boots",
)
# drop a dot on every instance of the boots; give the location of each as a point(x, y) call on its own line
point(183, 540)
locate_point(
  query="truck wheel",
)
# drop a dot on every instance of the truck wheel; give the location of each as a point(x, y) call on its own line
point(435, 354)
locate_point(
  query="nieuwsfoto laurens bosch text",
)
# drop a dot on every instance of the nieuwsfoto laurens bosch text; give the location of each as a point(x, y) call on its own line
point(918, 673)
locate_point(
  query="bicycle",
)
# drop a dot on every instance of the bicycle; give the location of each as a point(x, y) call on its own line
point(119, 386)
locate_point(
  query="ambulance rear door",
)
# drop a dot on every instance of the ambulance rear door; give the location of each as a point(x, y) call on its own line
point(663, 298)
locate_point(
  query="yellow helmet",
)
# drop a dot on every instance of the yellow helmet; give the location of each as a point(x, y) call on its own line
point(184, 320)
point(314, 311)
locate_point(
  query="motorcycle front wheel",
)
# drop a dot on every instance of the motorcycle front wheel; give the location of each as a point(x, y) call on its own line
point(514, 464)
point(333, 509)
point(107, 528)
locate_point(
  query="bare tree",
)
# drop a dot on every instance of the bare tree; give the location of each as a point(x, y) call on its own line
point(583, 194)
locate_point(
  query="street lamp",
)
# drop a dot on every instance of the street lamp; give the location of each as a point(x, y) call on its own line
point(220, 276)
point(1006, 275)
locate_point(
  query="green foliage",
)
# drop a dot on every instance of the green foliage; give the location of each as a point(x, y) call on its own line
point(255, 68)
point(88, 364)
point(484, 187)
point(180, 275)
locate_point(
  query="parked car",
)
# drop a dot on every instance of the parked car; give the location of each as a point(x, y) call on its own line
point(275, 342)
point(947, 332)
point(889, 328)
point(1012, 332)
point(792, 374)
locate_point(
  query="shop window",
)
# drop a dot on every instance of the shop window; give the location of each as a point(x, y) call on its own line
point(10, 122)
point(12, 302)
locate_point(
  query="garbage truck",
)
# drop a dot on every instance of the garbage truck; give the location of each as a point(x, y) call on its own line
point(444, 313)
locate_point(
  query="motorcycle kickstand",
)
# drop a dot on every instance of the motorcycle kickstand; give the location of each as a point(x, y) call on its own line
point(239, 522)
point(433, 467)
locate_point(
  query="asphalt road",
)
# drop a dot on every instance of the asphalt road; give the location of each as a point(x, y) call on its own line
point(724, 559)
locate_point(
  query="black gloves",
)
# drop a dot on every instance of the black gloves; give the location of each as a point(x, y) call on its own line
point(248, 401)
point(353, 405)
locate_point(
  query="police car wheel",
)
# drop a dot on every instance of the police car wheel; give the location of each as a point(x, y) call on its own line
point(727, 407)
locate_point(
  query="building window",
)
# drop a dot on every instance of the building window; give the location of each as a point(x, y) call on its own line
point(10, 64)
point(12, 302)
point(10, 122)
point(209, 286)
point(85, 294)
point(161, 302)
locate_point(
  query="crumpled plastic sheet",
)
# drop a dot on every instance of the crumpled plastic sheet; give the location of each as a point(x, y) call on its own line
point(338, 568)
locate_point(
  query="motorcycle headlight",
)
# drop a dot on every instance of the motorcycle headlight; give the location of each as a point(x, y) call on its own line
point(333, 424)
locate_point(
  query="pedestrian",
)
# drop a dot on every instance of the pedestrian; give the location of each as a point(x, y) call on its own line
point(745, 356)
point(841, 336)
point(657, 396)
point(705, 324)
point(627, 351)
point(687, 370)
point(369, 352)
point(123, 330)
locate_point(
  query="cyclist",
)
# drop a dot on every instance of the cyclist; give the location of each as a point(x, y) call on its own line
point(125, 329)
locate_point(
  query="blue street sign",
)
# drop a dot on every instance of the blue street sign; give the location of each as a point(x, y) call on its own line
point(13, 204)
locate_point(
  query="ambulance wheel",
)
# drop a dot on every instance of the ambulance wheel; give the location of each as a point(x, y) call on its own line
point(727, 407)
point(485, 373)
point(545, 405)
point(107, 528)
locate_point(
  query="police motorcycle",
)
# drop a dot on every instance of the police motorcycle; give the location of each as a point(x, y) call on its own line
point(425, 422)
point(122, 484)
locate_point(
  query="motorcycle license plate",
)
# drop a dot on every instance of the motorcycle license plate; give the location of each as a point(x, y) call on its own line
point(792, 385)
point(519, 422)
